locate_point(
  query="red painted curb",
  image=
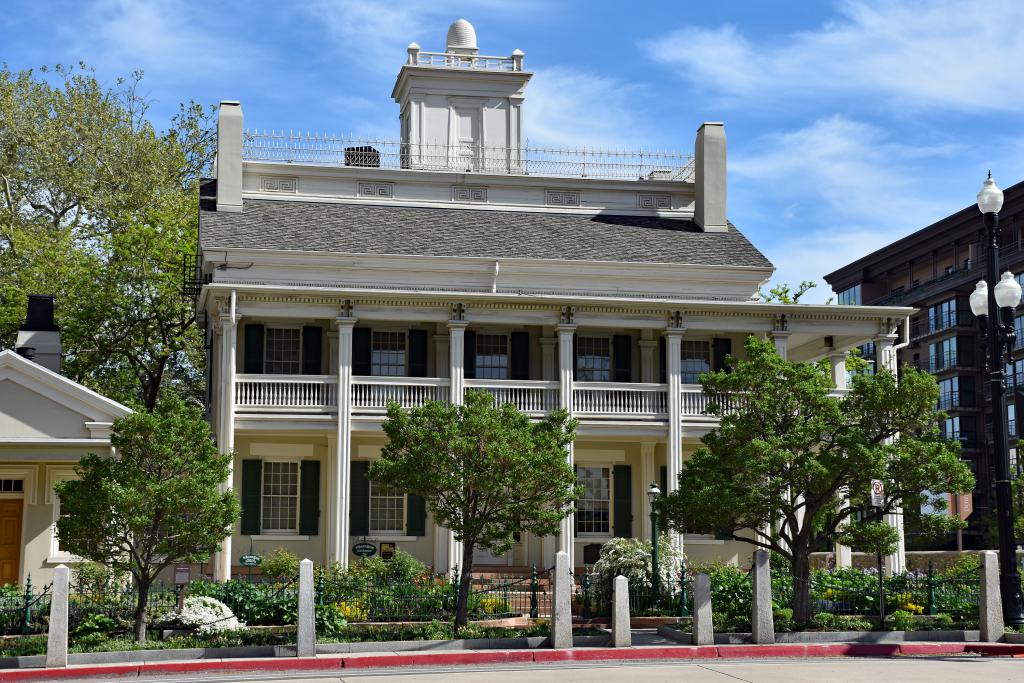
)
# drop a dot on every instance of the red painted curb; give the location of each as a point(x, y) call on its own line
point(277, 664)
point(116, 670)
point(438, 659)
point(997, 649)
point(636, 653)
point(931, 648)
point(753, 651)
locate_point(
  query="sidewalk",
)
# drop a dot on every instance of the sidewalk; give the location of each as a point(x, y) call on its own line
point(539, 656)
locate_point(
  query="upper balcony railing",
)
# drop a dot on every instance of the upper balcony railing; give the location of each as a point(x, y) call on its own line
point(334, 150)
point(304, 394)
point(451, 60)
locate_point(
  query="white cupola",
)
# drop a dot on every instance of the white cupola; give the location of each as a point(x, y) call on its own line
point(460, 110)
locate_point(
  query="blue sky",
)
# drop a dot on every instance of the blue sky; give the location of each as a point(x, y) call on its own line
point(849, 123)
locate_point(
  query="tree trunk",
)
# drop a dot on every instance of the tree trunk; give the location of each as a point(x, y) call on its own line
point(801, 587)
point(140, 610)
point(465, 577)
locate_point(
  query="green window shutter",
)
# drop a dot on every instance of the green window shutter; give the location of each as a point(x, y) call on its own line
point(720, 348)
point(622, 361)
point(662, 361)
point(253, 358)
point(469, 354)
point(519, 362)
point(252, 494)
point(361, 354)
point(415, 516)
point(309, 497)
point(359, 499)
point(312, 346)
point(623, 488)
point(576, 518)
point(417, 353)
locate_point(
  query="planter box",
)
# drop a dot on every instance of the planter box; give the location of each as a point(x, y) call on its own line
point(797, 637)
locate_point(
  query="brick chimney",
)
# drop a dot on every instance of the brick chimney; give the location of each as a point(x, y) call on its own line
point(39, 338)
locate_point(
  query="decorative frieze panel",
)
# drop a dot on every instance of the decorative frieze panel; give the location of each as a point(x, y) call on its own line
point(653, 201)
point(562, 197)
point(468, 193)
point(279, 184)
point(380, 190)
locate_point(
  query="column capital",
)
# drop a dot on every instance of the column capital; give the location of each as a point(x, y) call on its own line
point(566, 328)
point(346, 322)
point(457, 324)
point(674, 332)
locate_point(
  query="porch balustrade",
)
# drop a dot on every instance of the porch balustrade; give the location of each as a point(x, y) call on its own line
point(531, 397)
point(286, 393)
point(370, 395)
point(620, 400)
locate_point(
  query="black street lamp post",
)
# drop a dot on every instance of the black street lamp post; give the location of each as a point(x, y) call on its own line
point(652, 493)
point(993, 302)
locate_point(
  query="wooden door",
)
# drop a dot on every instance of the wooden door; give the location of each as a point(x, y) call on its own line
point(10, 540)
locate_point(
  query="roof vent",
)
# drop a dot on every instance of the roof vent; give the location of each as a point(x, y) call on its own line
point(461, 38)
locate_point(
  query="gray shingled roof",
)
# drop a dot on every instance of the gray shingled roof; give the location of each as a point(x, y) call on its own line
point(366, 229)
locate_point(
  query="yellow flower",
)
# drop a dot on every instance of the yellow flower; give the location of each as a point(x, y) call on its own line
point(354, 611)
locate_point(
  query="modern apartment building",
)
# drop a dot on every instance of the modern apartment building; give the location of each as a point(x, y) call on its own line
point(934, 270)
point(335, 275)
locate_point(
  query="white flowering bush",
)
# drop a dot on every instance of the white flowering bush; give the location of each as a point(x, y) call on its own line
point(631, 557)
point(208, 615)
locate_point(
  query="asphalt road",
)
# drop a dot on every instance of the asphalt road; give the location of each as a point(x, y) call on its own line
point(856, 670)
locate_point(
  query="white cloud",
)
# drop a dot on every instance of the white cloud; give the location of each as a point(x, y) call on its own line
point(950, 54)
point(568, 107)
point(169, 39)
point(833, 192)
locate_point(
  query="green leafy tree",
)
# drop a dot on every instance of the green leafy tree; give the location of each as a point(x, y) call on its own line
point(98, 207)
point(486, 473)
point(783, 293)
point(158, 501)
point(784, 458)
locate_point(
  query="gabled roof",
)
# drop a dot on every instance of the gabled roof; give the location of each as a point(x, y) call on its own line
point(36, 378)
point(488, 233)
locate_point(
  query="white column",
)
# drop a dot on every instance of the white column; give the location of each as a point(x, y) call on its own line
point(837, 361)
point(441, 355)
point(566, 361)
point(844, 555)
point(226, 437)
point(780, 336)
point(648, 474)
point(333, 497)
point(674, 452)
point(648, 349)
point(885, 359)
point(343, 443)
point(457, 375)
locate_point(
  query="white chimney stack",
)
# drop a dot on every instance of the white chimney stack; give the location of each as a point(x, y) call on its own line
point(229, 156)
point(709, 160)
point(39, 338)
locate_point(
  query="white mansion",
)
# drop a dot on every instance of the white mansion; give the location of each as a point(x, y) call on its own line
point(341, 274)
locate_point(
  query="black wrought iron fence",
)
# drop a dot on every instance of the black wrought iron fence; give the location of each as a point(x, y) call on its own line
point(24, 611)
point(671, 599)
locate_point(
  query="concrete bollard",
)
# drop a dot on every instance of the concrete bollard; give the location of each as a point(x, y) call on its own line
point(57, 635)
point(306, 619)
point(703, 629)
point(762, 620)
point(990, 603)
point(622, 636)
point(561, 608)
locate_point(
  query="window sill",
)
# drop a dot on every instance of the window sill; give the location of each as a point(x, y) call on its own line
point(702, 541)
point(280, 537)
point(594, 537)
point(385, 538)
point(63, 559)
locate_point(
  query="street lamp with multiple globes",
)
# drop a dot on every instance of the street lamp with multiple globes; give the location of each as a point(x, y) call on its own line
point(993, 302)
point(652, 494)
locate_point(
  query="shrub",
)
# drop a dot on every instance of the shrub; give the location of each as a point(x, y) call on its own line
point(731, 594)
point(353, 610)
point(208, 615)
point(280, 565)
point(255, 604)
point(631, 557)
point(330, 620)
point(94, 578)
point(966, 566)
point(826, 621)
point(901, 620)
point(402, 568)
point(94, 625)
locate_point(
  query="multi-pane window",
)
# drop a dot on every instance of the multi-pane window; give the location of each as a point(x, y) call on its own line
point(942, 316)
point(1018, 328)
point(942, 355)
point(593, 509)
point(1015, 374)
point(388, 354)
point(491, 356)
point(280, 497)
point(593, 359)
point(387, 509)
point(849, 296)
point(282, 351)
point(1011, 420)
point(950, 428)
point(949, 393)
point(12, 486)
point(696, 360)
